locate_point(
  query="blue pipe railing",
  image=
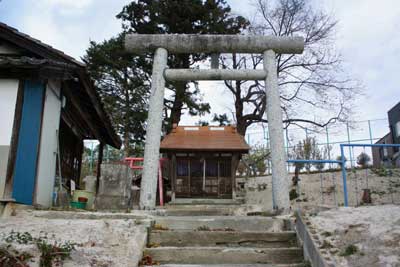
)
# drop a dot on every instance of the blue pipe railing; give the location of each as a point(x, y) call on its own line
point(342, 163)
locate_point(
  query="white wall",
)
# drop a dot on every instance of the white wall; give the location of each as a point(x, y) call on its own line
point(8, 98)
point(48, 145)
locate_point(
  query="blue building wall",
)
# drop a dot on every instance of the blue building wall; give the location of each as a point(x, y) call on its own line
point(28, 143)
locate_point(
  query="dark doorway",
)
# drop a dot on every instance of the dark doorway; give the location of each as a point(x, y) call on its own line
point(203, 178)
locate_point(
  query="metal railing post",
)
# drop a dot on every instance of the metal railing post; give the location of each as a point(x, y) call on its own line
point(344, 176)
point(349, 141)
point(327, 143)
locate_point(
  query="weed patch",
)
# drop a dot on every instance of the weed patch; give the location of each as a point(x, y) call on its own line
point(10, 257)
point(51, 253)
point(326, 234)
point(326, 245)
point(349, 250)
point(293, 194)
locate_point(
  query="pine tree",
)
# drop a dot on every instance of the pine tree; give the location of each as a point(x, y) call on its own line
point(185, 17)
point(124, 79)
point(123, 85)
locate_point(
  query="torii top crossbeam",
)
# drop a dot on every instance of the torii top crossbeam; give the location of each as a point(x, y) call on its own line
point(208, 43)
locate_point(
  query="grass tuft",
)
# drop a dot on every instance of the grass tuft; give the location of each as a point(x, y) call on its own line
point(349, 250)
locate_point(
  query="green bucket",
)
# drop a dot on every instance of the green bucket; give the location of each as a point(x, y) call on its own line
point(78, 205)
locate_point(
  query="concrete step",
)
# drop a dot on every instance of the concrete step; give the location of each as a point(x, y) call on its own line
point(224, 255)
point(228, 265)
point(204, 201)
point(222, 238)
point(198, 210)
point(236, 223)
point(209, 210)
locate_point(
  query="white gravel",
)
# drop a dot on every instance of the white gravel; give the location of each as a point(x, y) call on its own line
point(374, 230)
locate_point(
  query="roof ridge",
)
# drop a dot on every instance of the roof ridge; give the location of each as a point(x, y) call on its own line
point(44, 45)
point(205, 139)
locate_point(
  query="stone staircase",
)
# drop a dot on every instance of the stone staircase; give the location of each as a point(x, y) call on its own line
point(191, 237)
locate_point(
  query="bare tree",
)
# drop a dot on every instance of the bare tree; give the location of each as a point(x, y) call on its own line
point(313, 86)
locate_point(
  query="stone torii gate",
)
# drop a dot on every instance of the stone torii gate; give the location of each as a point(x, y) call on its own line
point(161, 44)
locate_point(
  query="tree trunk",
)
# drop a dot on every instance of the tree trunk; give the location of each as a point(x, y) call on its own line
point(126, 144)
point(181, 61)
point(241, 124)
point(176, 110)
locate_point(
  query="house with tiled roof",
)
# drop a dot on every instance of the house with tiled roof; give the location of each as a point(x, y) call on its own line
point(48, 106)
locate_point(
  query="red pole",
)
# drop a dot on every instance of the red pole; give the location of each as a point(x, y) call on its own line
point(160, 183)
point(132, 165)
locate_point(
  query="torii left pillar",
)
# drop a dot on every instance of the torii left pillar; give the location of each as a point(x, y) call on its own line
point(148, 188)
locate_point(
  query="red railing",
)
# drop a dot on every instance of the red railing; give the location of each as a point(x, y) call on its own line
point(133, 166)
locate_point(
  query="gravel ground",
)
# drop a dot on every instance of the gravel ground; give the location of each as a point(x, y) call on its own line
point(359, 237)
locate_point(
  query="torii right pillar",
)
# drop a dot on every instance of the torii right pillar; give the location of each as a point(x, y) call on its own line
point(280, 183)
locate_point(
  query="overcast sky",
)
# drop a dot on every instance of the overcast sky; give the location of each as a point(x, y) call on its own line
point(367, 36)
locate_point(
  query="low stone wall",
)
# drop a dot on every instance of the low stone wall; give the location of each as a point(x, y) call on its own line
point(115, 190)
point(255, 191)
point(104, 239)
point(311, 251)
